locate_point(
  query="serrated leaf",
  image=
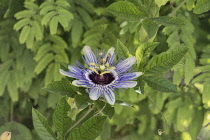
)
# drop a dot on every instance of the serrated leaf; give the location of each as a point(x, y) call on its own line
point(54, 25)
point(89, 129)
point(126, 10)
point(143, 51)
point(24, 34)
point(42, 64)
point(40, 125)
point(69, 16)
point(122, 50)
point(150, 27)
point(31, 6)
point(62, 3)
point(64, 22)
point(62, 87)
point(165, 61)
point(37, 30)
point(47, 9)
point(61, 120)
point(43, 50)
point(202, 6)
point(49, 74)
point(160, 84)
point(21, 23)
point(169, 21)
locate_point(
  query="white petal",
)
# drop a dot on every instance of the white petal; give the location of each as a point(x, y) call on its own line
point(138, 74)
point(79, 83)
point(66, 73)
point(109, 97)
point(126, 84)
point(125, 64)
point(95, 93)
point(89, 55)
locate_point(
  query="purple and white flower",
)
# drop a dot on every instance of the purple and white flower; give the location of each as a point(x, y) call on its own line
point(102, 75)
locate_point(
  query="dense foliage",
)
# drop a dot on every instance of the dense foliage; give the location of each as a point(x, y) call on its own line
point(171, 42)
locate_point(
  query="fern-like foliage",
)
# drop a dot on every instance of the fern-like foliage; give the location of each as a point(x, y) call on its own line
point(49, 56)
point(55, 13)
point(30, 24)
point(182, 37)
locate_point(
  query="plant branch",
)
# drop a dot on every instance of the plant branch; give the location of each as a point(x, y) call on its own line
point(83, 117)
point(177, 8)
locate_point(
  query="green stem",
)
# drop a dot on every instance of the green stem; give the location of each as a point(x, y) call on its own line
point(177, 8)
point(83, 117)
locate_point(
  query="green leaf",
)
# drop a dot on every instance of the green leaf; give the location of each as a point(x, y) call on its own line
point(160, 84)
point(161, 2)
point(89, 129)
point(53, 25)
point(19, 131)
point(81, 101)
point(107, 109)
point(169, 21)
point(76, 33)
point(150, 27)
point(24, 34)
point(126, 10)
point(47, 9)
point(48, 17)
point(122, 50)
point(62, 87)
point(41, 126)
point(61, 120)
point(143, 51)
point(206, 95)
point(202, 6)
point(23, 14)
point(4, 77)
point(166, 60)
point(12, 87)
point(49, 74)
point(196, 124)
point(21, 23)
point(43, 63)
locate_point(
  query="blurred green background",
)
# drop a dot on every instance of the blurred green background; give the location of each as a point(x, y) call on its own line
point(33, 43)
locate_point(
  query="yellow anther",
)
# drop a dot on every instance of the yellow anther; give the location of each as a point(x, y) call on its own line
point(102, 67)
point(93, 69)
point(111, 68)
point(94, 64)
point(105, 72)
point(107, 64)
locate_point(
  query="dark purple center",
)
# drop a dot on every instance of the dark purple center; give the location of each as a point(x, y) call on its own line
point(104, 79)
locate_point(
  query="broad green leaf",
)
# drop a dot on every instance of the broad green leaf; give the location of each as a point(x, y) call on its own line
point(12, 87)
point(24, 34)
point(54, 25)
point(202, 77)
point(69, 16)
point(19, 131)
point(31, 5)
point(62, 87)
point(196, 124)
point(43, 50)
point(166, 60)
point(89, 129)
point(169, 21)
point(202, 6)
point(62, 3)
point(85, 17)
point(185, 115)
point(30, 40)
point(107, 109)
point(61, 120)
point(37, 30)
point(47, 9)
point(81, 101)
point(143, 51)
point(151, 28)
point(160, 84)
point(189, 66)
point(64, 22)
point(206, 95)
point(40, 125)
point(122, 50)
point(43, 63)
point(23, 14)
point(126, 10)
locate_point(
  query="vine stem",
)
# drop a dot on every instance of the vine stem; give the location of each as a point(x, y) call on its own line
point(177, 8)
point(83, 117)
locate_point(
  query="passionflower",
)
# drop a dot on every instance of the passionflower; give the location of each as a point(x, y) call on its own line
point(103, 75)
